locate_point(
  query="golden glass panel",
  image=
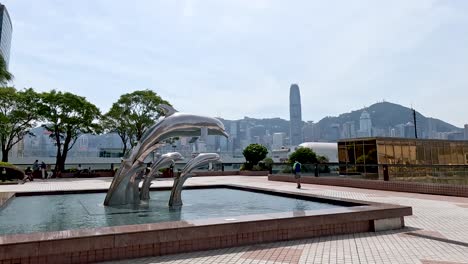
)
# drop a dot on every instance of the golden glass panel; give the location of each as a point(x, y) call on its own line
point(390, 153)
point(398, 155)
point(460, 157)
point(405, 153)
point(360, 155)
point(412, 154)
point(382, 157)
point(434, 154)
point(427, 154)
point(420, 154)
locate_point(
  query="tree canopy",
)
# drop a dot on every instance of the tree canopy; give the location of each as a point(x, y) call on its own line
point(5, 75)
point(18, 114)
point(254, 153)
point(67, 116)
point(132, 114)
point(303, 155)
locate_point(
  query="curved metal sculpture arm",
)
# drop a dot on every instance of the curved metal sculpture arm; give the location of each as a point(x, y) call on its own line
point(164, 161)
point(200, 160)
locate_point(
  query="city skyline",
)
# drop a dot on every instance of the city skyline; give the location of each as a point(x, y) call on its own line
point(411, 53)
point(273, 133)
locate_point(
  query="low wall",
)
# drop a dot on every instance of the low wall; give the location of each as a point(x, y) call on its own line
point(228, 173)
point(87, 175)
point(123, 242)
point(215, 173)
point(253, 173)
point(399, 186)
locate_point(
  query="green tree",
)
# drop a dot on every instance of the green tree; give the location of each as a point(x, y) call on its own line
point(132, 114)
point(112, 123)
point(322, 159)
point(303, 155)
point(5, 75)
point(18, 114)
point(254, 153)
point(67, 116)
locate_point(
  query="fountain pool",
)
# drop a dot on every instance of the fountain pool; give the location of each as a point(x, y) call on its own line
point(75, 227)
point(42, 213)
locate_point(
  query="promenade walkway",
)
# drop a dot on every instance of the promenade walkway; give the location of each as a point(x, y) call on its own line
point(437, 233)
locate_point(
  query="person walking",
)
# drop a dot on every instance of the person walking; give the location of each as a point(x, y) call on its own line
point(297, 173)
point(43, 170)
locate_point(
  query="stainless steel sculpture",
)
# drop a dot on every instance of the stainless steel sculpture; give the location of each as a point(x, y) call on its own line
point(124, 186)
point(163, 161)
point(200, 160)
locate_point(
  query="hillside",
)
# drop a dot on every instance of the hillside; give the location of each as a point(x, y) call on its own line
point(385, 115)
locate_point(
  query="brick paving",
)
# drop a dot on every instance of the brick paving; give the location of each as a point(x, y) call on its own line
point(437, 233)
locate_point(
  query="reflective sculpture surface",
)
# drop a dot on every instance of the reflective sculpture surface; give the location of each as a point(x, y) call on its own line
point(163, 161)
point(200, 160)
point(124, 186)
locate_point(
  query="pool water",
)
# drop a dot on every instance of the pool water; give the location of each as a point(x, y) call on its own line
point(43, 213)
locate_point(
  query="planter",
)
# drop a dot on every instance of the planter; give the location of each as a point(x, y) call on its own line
point(215, 173)
point(10, 173)
point(254, 173)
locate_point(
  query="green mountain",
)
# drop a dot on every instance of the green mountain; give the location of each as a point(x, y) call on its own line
point(385, 115)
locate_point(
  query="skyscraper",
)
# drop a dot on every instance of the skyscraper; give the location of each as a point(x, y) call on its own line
point(6, 30)
point(295, 115)
point(278, 140)
point(365, 125)
point(349, 130)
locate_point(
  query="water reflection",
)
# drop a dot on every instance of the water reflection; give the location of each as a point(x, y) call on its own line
point(77, 211)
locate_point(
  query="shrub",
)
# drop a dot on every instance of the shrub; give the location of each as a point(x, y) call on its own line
point(254, 153)
point(11, 172)
point(266, 164)
point(257, 168)
point(303, 155)
point(6, 164)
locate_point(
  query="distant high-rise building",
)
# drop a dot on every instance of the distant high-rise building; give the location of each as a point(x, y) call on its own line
point(348, 130)
point(400, 130)
point(365, 125)
point(466, 132)
point(295, 114)
point(6, 30)
point(455, 135)
point(334, 132)
point(278, 140)
point(311, 132)
point(409, 130)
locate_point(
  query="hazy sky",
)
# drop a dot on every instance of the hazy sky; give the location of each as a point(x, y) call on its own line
point(236, 58)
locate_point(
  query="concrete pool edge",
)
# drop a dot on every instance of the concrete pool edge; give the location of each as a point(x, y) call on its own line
point(5, 198)
point(120, 242)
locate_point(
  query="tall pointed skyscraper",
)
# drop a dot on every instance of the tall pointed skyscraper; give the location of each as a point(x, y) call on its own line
point(5, 34)
point(295, 114)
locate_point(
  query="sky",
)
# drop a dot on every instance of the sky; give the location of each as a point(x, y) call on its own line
point(236, 58)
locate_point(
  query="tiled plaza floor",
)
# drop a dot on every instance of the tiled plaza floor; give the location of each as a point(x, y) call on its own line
point(437, 233)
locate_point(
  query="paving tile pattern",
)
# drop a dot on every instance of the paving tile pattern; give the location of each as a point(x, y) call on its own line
point(436, 234)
